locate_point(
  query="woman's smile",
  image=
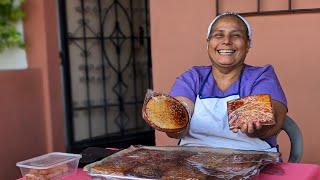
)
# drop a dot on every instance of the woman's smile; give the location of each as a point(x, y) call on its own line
point(226, 52)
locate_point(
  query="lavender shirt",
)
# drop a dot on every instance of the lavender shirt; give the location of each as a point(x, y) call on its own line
point(254, 80)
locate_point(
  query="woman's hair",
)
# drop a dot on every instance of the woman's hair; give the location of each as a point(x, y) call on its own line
point(244, 22)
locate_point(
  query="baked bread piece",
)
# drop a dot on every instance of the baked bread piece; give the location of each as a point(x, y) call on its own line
point(165, 113)
point(43, 174)
point(183, 173)
point(256, 108)
point(115, 166)
point(152, 171)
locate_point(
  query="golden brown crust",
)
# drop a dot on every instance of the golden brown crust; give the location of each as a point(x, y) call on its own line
point(256, 108)
point(165, 113)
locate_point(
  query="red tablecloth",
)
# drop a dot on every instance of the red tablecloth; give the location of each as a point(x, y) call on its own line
point(280, 171)
point(291, 171)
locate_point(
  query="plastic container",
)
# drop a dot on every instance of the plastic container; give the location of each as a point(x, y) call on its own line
point(49, 166)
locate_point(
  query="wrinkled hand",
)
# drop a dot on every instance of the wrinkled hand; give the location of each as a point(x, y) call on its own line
point(248, 127)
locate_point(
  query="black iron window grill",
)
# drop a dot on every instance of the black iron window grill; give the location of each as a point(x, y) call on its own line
point(105, 48)
point(259, 10)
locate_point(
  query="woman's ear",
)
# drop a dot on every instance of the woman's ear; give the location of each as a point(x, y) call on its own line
point(208, 43)
point(248, 47)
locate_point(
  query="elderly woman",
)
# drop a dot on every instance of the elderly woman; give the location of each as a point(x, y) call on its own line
point(206, 90)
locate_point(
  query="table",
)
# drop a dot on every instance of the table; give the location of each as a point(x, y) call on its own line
point(291, 171)
point(281, 171)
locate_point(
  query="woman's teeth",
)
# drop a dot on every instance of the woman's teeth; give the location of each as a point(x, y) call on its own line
point(226, 52)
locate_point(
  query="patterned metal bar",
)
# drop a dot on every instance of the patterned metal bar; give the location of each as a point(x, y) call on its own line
point(108, 105)
point(134, 64)
point(259, 12)
point(119, 120)
point(146, 3)
point(289, 5)
point(217, 7)
point(67, 76)
point(293, 11)
point(85, 54)
point(103, 67)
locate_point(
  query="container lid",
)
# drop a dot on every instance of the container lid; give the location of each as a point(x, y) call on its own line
point(49, 160)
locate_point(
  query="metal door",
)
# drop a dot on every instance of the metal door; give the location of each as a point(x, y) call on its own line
point(105, 48)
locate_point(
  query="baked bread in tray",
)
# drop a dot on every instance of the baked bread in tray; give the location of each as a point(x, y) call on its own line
point(179, 162)
point(165, 113)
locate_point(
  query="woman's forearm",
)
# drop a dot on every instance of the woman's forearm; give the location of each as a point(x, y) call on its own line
point(280, 112)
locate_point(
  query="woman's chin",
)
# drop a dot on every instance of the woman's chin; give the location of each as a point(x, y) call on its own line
point(226, 64)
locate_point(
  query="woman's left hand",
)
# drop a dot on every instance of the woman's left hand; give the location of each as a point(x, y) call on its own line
point(255, 129)
point(248, 128)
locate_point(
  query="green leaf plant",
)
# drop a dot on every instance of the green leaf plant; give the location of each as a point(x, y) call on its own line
point(10, 13)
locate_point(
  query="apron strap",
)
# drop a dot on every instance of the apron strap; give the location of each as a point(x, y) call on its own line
point(204, 82)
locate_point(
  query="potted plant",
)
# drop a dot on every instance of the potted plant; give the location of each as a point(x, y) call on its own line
point(12, 54)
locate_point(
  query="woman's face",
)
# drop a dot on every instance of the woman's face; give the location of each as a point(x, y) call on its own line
point(228, 43)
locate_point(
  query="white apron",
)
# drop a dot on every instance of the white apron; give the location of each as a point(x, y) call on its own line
point(209, 126)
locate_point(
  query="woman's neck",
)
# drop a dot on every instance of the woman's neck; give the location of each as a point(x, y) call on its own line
point(225, 77)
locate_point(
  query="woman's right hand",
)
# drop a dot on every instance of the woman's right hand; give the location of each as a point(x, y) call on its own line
point(180, 134)
point(189, 105)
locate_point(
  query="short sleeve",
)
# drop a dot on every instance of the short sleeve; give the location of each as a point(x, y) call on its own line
point(268, 83)
point(186, 85)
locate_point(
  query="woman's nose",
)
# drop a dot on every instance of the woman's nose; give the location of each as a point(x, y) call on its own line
point(227, 40)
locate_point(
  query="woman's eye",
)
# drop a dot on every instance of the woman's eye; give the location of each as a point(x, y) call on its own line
point(217, 35)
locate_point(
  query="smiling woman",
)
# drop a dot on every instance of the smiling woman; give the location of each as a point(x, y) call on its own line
point(209, 88)
point(228, 43)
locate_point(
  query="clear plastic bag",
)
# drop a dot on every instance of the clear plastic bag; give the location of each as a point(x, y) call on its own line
point(164, 112)
point(148, 162)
